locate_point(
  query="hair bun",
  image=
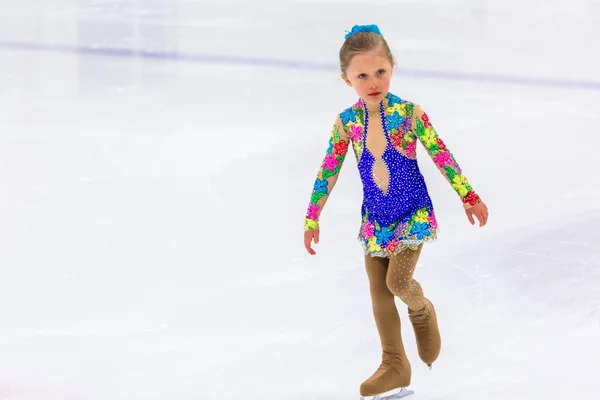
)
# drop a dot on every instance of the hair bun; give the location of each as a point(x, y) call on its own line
point(363, 28)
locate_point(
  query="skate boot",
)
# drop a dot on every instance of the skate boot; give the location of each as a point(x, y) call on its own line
point(393, 374)
point(426, 332)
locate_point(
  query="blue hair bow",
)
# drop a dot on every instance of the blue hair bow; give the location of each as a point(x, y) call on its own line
point(363, 28)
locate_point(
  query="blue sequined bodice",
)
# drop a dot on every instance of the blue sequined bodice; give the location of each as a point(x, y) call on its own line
point(406, 190)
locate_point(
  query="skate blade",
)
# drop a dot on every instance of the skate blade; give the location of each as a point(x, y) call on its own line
point(394, 395)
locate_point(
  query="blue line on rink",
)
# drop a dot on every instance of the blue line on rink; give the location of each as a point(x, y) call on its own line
point(288, 64)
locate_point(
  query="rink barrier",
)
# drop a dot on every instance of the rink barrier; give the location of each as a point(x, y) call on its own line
point(289, 64)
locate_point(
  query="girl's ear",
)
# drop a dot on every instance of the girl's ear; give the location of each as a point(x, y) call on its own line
point(345, 78)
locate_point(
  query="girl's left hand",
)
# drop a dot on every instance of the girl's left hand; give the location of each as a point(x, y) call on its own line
point(480, 211)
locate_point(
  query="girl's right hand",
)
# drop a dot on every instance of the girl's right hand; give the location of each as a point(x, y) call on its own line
point(308, 237)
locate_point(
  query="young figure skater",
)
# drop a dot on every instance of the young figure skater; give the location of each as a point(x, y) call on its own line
point(397, 211)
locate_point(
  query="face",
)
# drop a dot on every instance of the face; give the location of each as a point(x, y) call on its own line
point(369, 74)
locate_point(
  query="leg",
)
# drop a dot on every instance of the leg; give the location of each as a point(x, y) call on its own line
point(422, 315)
point(400, 280)
point(382, 301)
point(394, 371)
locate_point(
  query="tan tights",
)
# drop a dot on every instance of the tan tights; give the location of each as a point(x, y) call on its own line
point(394, 277)
point(389, 278)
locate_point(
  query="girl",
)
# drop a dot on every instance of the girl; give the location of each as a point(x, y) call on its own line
point(397, 211)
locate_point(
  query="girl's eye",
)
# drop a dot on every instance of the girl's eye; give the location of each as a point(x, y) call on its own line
point(362, 76)
point(381, 72)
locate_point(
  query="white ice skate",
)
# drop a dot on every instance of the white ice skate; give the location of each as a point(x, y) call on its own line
point(395, 394)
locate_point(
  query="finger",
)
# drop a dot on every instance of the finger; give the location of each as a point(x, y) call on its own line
point(476, 217)
point(471, 220)
point(316, 236)
point(307, 239)
point(310, 250)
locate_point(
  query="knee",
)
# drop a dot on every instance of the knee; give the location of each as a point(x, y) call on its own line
point(398, 287)
point(380, 290)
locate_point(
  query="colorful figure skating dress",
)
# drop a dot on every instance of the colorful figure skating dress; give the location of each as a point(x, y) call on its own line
point(397, 211)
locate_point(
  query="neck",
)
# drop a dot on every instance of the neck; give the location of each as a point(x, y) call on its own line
point(372, 107)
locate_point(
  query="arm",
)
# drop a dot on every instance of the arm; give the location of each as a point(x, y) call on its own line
point(443, 158)
point(327, 175)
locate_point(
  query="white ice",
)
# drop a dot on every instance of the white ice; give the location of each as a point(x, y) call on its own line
point(151, 209)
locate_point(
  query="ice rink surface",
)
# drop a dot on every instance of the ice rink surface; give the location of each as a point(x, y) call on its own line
point(157, 159)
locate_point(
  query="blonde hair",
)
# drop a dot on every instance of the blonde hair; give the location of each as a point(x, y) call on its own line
point(362, 42)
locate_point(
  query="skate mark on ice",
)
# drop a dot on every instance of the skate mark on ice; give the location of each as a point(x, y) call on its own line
point(553, 265)
point(467, 292)
point(474, 312)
